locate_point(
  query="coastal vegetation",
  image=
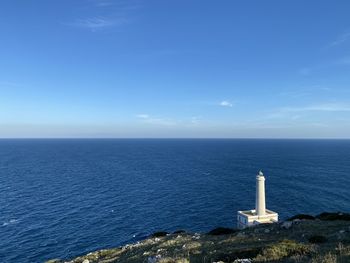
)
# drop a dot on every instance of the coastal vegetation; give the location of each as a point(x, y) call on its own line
point(321, 239)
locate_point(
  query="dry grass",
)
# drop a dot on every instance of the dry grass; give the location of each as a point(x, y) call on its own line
point(283, 249)
point(328, 258)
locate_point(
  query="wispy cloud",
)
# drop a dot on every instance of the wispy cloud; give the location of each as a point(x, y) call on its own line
point(340, 39)
point(295, 113)
point(305, 71)
point(195, 120)
point(297, 92)
point(146, 118)
point(330, 107)
point(108, 14)
point(120, 5)
point(142, 116)
point(343, 61)
point(225, 103)
point(96, 23)
point(103, 3)
point(9, 84)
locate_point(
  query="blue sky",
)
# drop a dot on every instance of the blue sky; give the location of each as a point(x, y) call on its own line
point(166, 68)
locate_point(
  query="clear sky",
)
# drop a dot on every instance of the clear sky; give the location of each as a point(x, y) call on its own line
point(175, 68)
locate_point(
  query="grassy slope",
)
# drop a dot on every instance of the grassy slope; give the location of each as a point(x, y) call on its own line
point(263, 243)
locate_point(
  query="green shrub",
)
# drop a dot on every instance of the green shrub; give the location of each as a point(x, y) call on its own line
point(159, 234)
point(179, 232)
point(334, 216)
point(301, 217)
point(222, 231)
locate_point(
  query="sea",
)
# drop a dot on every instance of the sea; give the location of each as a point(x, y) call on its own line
point(61, 198)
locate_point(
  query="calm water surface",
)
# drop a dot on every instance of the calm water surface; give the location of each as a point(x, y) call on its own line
point(63, 198)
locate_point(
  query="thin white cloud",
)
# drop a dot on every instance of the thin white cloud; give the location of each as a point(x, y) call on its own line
point(295, 113)
point(225, 103)
point(9, 84)
point(295, 117)
point(305, 71)
point(142, 116)
point(120, 5)
point(103, 3)
point(116, 13)
point(330, 107)
point(195, 120)
point(343, 61)
point(97, 23)
point(187, 122)
point(156, 120)
point(340, 39)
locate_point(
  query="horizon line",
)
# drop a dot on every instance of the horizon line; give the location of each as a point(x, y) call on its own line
point(172, 138)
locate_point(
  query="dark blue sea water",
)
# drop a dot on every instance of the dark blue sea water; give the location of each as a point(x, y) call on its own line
point(63, 198)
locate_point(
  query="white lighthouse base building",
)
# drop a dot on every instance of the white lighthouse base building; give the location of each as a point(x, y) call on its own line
point(259, 215)
point(250, 218)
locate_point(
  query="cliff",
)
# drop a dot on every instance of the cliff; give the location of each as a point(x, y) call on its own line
point(303, 238)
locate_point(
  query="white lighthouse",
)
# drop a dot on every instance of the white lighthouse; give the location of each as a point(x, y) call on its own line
point(260, 205)
point(259, 215)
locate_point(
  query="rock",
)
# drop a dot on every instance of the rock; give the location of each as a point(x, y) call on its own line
point(86, 261)
point(267, 230)
point(160, 250)
point(154, 259)
point(287, 224)
point(196, 236)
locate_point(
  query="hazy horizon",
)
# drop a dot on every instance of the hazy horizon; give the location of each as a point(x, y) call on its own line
point(171, 138)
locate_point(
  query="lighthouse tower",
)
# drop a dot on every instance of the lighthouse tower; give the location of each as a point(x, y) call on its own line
point(259, 215)
point(260, 205)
